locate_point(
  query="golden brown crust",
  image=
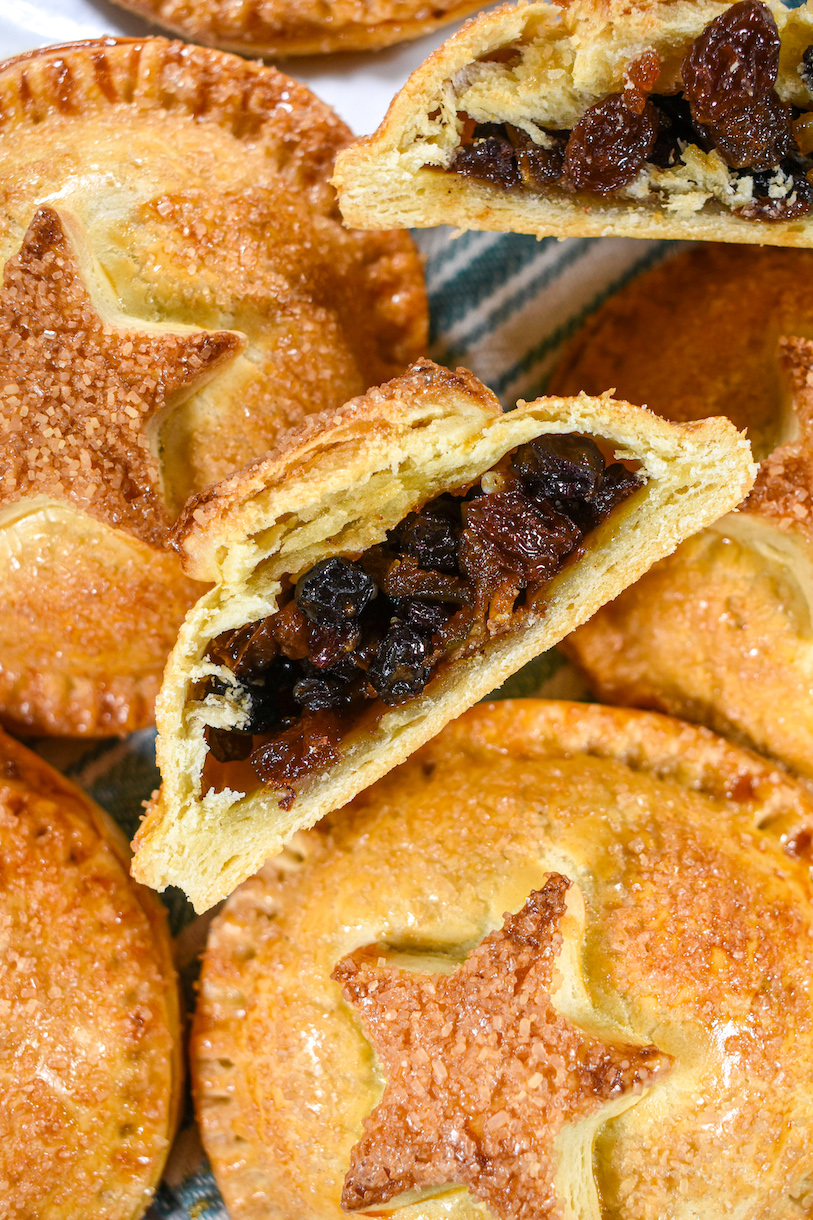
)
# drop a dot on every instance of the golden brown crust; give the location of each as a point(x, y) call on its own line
point(337, 489)
point(571, 56)
point(672, 839)
point(86, 963)
point(300, 27)
point(720, 631)
point(198, 183)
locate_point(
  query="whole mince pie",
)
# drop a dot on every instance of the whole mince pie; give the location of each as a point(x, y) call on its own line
point(388, 567)
point(556, 965)
point(657, 121)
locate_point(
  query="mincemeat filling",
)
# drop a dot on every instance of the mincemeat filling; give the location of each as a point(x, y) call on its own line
point(376, 629)
point(728, 103)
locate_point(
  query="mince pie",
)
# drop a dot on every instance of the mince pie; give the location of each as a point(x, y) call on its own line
point(651, 120)
point(720, 632)
point(90, 1051)
point(558, 963)
point(300, 27)
point(382, 571)
point(176, 289)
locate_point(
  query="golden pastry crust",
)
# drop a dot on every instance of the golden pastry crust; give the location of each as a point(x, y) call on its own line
point(720, 631)
point(300, 27)
point(92, 1069)
point(192, 191)
point(336, 488)
point(693, 933)
point(572, 56)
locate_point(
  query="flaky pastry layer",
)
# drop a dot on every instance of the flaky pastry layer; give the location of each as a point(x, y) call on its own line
point(336, 488)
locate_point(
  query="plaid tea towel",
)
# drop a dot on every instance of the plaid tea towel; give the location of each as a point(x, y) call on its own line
point(502, 305)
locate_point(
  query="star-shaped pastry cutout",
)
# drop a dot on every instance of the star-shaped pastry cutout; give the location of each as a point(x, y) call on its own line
point(80, 383)
point(482, 1071)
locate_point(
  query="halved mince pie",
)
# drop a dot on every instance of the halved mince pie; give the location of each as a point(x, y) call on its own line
point(177, 289)
point(384, 570)
point(651, 120)
point(721, 632)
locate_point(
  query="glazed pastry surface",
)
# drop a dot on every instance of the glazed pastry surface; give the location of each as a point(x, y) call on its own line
point(720, 631)
point(191, 191)
point(686, 928)
point(335, 489)
point(90, 1083)
point(526, 76)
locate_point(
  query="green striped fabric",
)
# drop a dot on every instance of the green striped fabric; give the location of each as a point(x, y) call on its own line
point(502, 305)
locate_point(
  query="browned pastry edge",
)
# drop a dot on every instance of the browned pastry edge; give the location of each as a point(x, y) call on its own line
point(253, 33)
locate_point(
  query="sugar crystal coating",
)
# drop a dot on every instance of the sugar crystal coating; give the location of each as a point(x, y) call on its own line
point(77, 391)
point(482, 1070)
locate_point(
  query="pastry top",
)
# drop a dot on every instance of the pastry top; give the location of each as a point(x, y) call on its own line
point(300, 27)
point(90, 1045)
point(686, 928)
point(336, 488)
point(201, 182)
point(539, 66)
point(717, 331)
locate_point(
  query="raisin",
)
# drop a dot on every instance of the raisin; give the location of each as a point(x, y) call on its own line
point(402, 664)
point(317, 694)
point(608, 145)
point(427, 616)
point(431, 535)
point(246, 650)
point(304, 747)
point(228, 745)
point(798, 201)
point(488, 160)
point(733, 63)
point(509, 536)
point(400, 576)
point(334, 591)
point(538, 165)
point(806, 68)
point(617, 484)
point(675, 130)
point(559, 466)
point(756, 136)
point(327, 645)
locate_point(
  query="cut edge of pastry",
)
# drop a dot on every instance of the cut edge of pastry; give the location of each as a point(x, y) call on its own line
point(396, 177)
point(396, 448)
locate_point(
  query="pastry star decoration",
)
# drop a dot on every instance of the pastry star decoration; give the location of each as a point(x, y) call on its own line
point(482, 1071)
point(79, 383)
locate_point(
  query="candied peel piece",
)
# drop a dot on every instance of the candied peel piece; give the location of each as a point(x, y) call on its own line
point(482, 1071)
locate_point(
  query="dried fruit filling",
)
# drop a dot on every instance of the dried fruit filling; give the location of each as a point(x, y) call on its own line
point(372, 631)
point(728, 104)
